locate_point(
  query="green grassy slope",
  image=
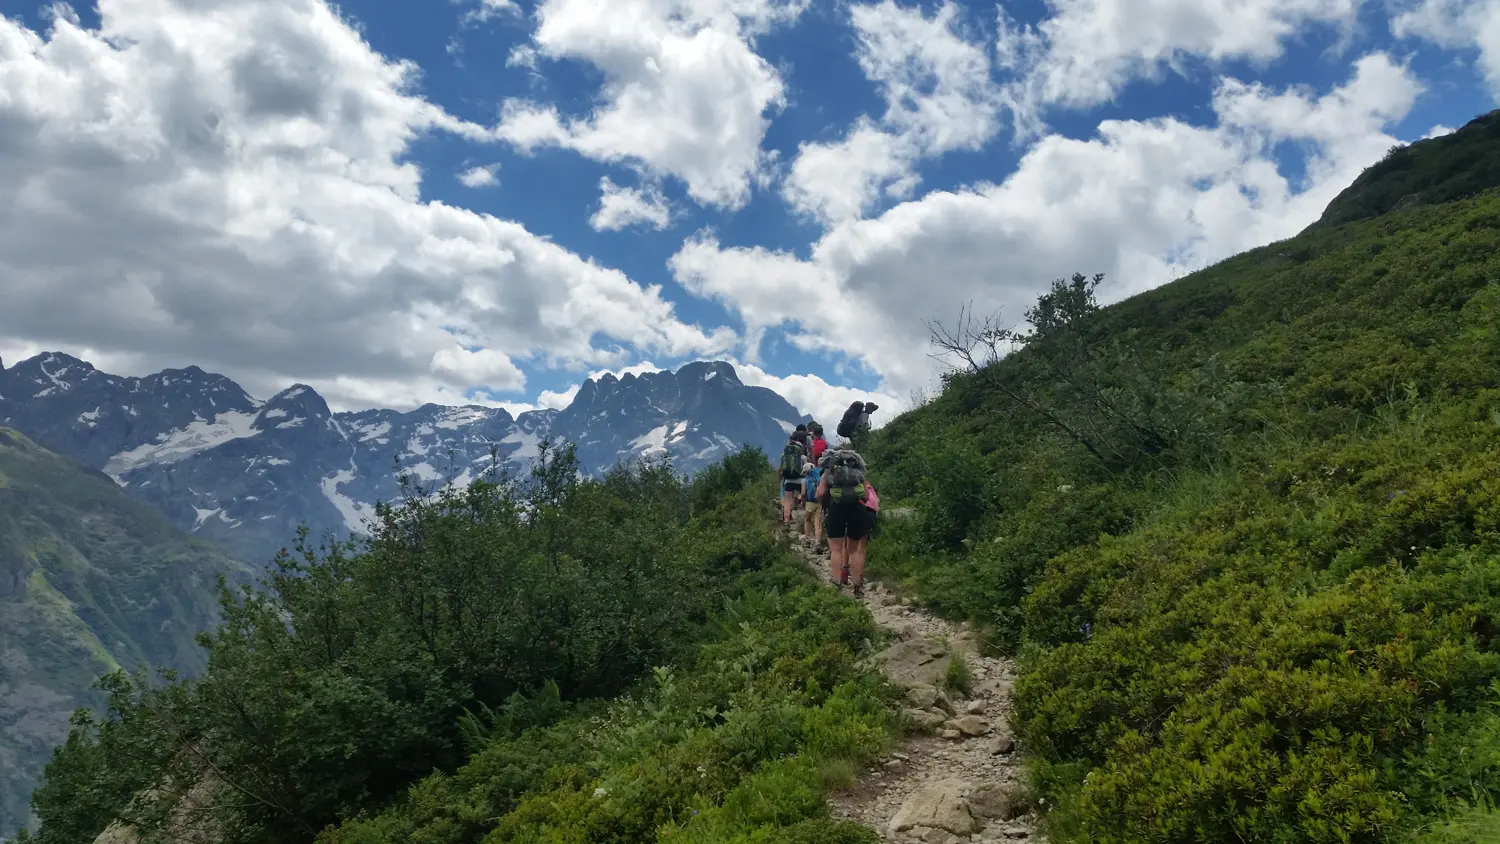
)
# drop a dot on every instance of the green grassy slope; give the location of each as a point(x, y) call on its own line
point(90, 581)
point(1438, 170)
point(1284, 626)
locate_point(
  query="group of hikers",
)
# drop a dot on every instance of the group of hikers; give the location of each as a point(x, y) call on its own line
point(831, 487)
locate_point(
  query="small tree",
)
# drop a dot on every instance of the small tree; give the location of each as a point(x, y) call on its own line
point(1080, 381)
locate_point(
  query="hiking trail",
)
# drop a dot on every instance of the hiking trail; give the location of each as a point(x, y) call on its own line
point(964, 783)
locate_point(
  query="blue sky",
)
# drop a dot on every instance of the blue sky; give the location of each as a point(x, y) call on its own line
point(277, 191)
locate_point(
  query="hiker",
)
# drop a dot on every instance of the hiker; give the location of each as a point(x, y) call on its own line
point(812, 519)
point(803, 436)
point(842, 492)
point(819, 445)
point(793, 467)
point(856, 422)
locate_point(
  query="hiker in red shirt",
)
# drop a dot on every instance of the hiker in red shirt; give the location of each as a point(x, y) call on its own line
point(819, 445)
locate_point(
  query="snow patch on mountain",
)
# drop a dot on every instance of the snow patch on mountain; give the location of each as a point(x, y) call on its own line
point(652, 441)
point(458, 417)
point(530, 444)
point(183, 442)
point(374, 432)
point(354, 513)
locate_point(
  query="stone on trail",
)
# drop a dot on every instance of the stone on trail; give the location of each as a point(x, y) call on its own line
point(997, 802)
point(1002, 744)
point(940, 805)
point(972, 725)
point(975, 707)
point(922, 697)
point(925, 719)
point(915, 662)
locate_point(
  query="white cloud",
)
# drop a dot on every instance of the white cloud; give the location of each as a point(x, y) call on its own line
point(1455, 23)
point(487, 9)
point(1088, 50)
point(229, 185)
point(478, 367)
point(482, 176)
point(1143, 201)
point(554, 400)
point(939, 96)
point(1438, 131)
point(825, 402)
point(621, 207)
point(684, 93)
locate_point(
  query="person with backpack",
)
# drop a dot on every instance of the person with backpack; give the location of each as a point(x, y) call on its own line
point(842, 492)
point(856, 422)
point(793, 466)
point(803, 436)
point(812, 518)
point(819, 445)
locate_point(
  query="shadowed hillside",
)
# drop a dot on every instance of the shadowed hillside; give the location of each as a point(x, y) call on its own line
point(91, 581)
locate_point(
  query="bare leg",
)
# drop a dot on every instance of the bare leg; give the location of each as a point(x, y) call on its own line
point(787, 498)
point(857, 550)
point(836, 557)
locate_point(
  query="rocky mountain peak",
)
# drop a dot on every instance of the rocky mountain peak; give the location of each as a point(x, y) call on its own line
point(297, 406)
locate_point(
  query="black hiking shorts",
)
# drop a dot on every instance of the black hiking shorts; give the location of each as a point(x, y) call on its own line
point(789, 486)
point(848, 519)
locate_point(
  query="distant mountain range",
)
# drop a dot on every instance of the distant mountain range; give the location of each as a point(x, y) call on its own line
point(245, 473)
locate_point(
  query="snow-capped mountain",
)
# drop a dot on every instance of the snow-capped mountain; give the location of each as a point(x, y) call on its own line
point(245, 473)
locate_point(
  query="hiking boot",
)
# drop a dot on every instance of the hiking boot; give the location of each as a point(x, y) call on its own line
point(859, 589)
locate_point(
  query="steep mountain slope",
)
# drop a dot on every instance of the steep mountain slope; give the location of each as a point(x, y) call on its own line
point(90, 580)
point(245, 473)
point(1245, 529)
point(1430, 172)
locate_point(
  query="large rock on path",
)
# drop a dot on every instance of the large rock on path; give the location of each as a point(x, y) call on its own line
point(940, 805)
point(919, 661)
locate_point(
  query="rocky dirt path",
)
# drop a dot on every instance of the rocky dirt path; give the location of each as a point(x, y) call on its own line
point(960, 780)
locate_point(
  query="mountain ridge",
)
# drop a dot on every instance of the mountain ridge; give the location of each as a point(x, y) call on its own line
point(245, 473)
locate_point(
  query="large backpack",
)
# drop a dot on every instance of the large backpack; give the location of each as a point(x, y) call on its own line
point(846, 475)
point(792, 457)
point(858, 414)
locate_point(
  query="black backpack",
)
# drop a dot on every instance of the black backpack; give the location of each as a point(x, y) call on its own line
point(846, 475)
point(858, 414)
point(792, 459)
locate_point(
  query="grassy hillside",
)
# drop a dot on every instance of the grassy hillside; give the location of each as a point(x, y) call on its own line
point(537, 659)
point(1438, 170)
point(90, 581)
point(1244, 531)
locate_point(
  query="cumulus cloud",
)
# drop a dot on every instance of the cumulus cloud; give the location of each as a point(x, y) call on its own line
point(684, 95)
point(1142, 201)
point(1455, 23)
point(482, 176)
point(939, 96)
point(1088, 50)
point(621, 207)
point(229, 185)
point(825, 402)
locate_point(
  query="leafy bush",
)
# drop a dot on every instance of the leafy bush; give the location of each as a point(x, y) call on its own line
point(522, 660)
